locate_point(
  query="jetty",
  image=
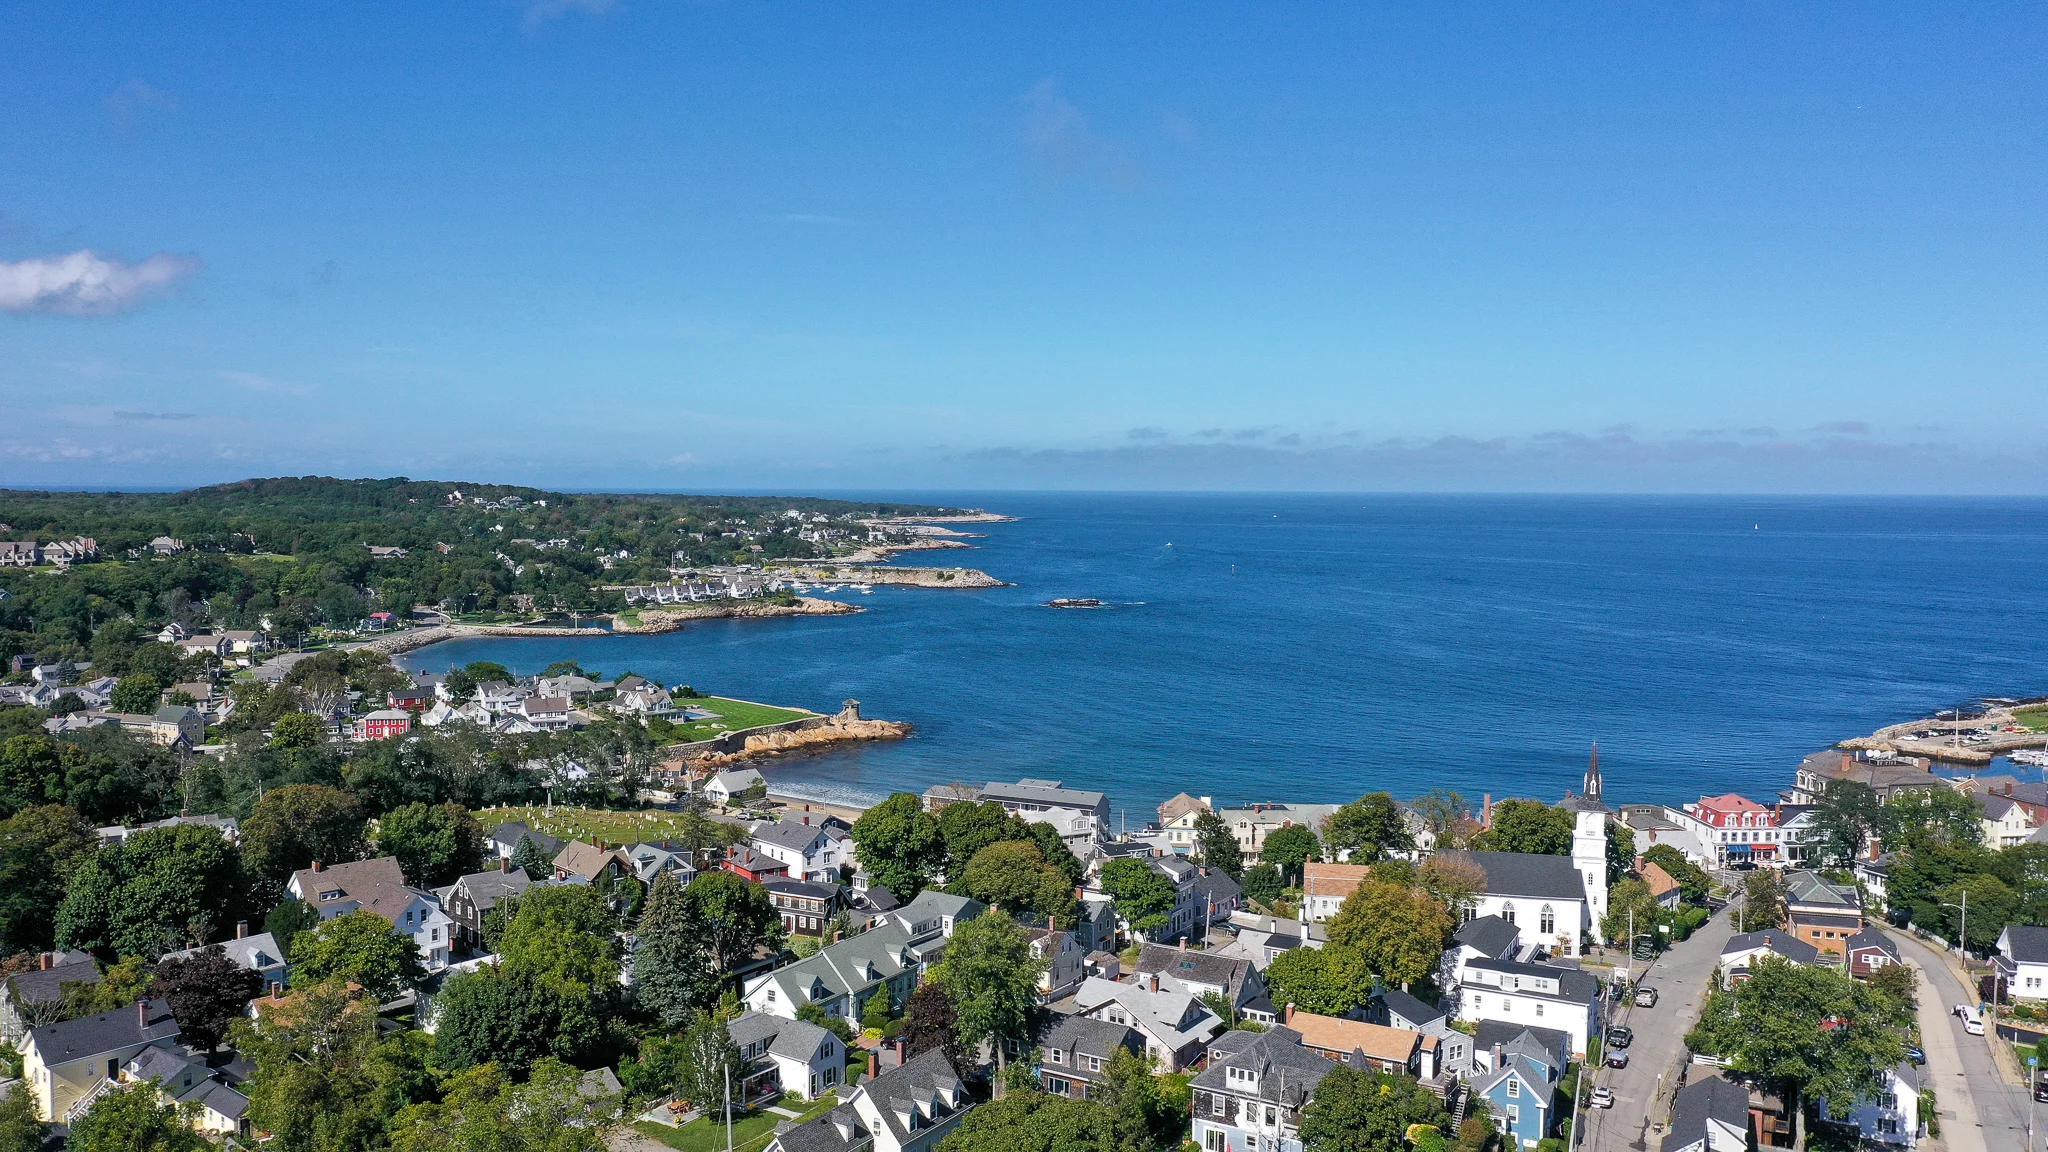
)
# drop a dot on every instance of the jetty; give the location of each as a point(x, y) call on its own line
point(1971, 740)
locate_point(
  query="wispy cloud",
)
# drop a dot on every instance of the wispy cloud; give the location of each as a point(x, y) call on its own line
point(1146, 434)
point(539, 12)
point(84, 283)
point(256, 383)
point(136, 105)
point(1066, 147)
point(140, 417)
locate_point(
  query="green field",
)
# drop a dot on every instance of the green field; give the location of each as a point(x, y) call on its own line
point(592, 824)
point(748, 1135)
point(2034, 719)
point(733, 715)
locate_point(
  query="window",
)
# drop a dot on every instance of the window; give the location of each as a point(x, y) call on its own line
point(1547, 922)
point(437, 935)
point(1514, 1088)
point(1058, 1086)
point(1514, 1116)
point(1507, 913)
point(1213, 1141)
point(1055, 1056)
point(1218, 1103)
point(771, 995)
point(1270, 1120)
point(1539, 1008)
point(1094, 1063)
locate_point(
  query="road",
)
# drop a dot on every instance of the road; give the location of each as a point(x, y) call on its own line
point(1979, 1110)
point(1642, 1090)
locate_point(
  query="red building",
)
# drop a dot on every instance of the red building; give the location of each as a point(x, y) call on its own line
point(1737, 828)
point(386, 723)
point(413, 700)
point(750, 865)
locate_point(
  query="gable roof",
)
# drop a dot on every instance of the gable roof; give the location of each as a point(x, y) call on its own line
point(1343, 1037)
point(1180, 806)
point(252, 952)
point(794, 1039)
point(1174, 1018)
point(367, 885)
point(1491, 935)
point(787, 834)
point(1711, 1100)
point(1406, 1007)
point(1872, 938)
point(588, 860)
point(2026, 944)
point(511, 832)
point(916, 1080)
point(1333, 879)
point(1776, 940)
point(88, 1036)
point(1287, 1072)
point(849, 966)
point(1657, 879)
point(1522, 1038)
point(43, 985)
point(1572, 984)
point(1092, 1037)
point(485, 889)
point(1529, 874)
point(1226, 972)
point(738, 781)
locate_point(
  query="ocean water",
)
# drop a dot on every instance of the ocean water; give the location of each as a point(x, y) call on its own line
point(1316, 647)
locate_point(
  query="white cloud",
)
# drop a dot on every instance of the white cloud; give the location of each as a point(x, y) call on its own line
point(85, 283)
point(1066, 147)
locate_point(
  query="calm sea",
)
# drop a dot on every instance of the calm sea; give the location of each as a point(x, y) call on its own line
point(1312, 647)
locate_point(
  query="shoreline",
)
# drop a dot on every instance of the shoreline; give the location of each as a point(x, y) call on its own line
point(670, 621)
point(1897, 738)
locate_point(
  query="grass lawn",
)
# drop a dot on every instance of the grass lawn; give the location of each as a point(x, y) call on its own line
point(2034, 719)
point(748, 1135)
point(733, 715)
point(590, 824)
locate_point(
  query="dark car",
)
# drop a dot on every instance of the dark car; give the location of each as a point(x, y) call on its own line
point(2041, 1085)
point(1620, 1036)
point(1617, 1058)
point(1916, 1055)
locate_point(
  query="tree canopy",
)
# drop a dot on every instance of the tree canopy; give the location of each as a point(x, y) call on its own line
point(900, 844)
point(1528, 826)
point(1368, 828)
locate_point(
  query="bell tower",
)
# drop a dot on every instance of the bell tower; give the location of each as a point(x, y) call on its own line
point(1589, 845)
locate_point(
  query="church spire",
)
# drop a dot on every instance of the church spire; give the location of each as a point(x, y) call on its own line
point(1592, 788)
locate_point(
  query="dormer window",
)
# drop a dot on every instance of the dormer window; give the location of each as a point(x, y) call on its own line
point(1055, 1056)
point(331, 894)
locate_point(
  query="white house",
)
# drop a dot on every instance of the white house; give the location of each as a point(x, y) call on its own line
point(1744, 949)
point(71, 1064)
point(1482, 938)
point(2022, 961)
point(1544, 897)
point(378, 886)
point(909, 1108)
point(1710, 1115)
point(1065, 962)
point(2006, 822)
point(841, 978)
point(794, 1057)
point(1176, 1025)
point(258, 953)
point(720, 789)
point(811, 851)
point(1538, 995)
point(1893, 1115)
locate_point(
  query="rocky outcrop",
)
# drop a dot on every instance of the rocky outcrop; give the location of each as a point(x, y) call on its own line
point(892, 574)
point(837, 730)
point(670, 619)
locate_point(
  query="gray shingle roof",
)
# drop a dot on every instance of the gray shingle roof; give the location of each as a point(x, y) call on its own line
point(1530, 874)
point(1490, 934)
point(784, 834)
point(1401, 1004)
point(795, 1039)
point(1872, 938)
point(2029, 945)
point(1098, 1038)
point(485, 889)
point(91, 1035)
point(1288, 1072)
point(42, 985)
point(1507, 1033)
point(1572, 984)
point(1225, 972)
point(1697, 1103)
point(1777, 940)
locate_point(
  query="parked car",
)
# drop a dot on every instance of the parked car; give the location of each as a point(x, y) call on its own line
point(1646, 996)
point(1617, 1058)
point(1916, 1054)
point(1603, 1098)
point(2041, 1084)
point(1973, 1021)
point(1620, 1036)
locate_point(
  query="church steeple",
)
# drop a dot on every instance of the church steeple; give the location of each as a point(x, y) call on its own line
point(1592, 788)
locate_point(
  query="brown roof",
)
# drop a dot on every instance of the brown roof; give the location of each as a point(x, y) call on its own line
point(1659, 881)
point(375, 885)
point(1343, 1036)
point(1333, 879)
point(588, 860)
point(1180, 806)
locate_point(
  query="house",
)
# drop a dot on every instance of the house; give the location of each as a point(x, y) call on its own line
point(1893, 1115)
point(546, 713)
point(1325, 887)
point(591, 863)
point(1252, 823)
point(26, 992)
point(1821, 912)
point(68, 1066)
point(1888, 778)
point(413, 700)
point(1539, 995)
point(653, 860)
point(1735, 829)
point(1260, 939)
point(246, 642)
point(1663, 888)
point(1234, 979)
point(185, 1080)
point(910, 1108)
point(1064, 958)
point(790, 1057)
point(1040, 801)
point(937, 913)
point(1075, 1051)
point(1519, 1086)
point(1203, 896)
point(499, 697)
point(1176, 1025)
point(385, 552)
point(2022, 961)
point(750, 865)
point(1480, 938)
point(471, 897)
point(1654, 824)
point(1250, 1096)
point(1710, 1115)
point(809, 851)
point(258, 953)
point(1744, 948)
point(1870, 950)
point(806, 907)
point(505, 838)
point(841, 977)
point(1364, 1045)
point(938, 796)
point(724, 787)
point(1547, 897)
point(171, 724)
point(378, 886)
point(1177, 819)
point(647, 701)
point(1398, 1009)
point(383, 723)
point(2005, 821)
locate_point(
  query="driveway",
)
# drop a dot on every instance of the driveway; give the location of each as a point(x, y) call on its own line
point(1642, 1091)
point(1979, 1110)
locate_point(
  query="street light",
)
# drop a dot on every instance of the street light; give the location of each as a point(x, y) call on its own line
point(1963, 928)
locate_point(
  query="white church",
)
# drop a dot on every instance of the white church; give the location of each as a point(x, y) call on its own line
point(1555, 902)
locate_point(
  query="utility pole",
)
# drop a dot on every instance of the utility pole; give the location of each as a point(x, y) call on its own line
point(726, 1068)
point(1963, 930)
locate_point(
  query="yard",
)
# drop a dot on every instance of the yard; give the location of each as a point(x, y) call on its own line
point(2033, 719)
point(590, 825)
point(732, 715)
point(748, 1135)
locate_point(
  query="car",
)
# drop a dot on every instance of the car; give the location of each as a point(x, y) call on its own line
point(1620, 1036)
point(2041, 1085)
point(1917, 1055)
point(1602, 1098)
point(1617, 1058)
point(1646, 996)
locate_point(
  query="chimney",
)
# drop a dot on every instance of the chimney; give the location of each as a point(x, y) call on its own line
point(44, 961)
point(276, 990)
point(1153, 981)
point(142, 1013)
point(1486, 810)
point(1288, 1018)
point(316, 865)
point(1496, 1057)
point(504, 864)
point(874, 1064)
point(241, 929)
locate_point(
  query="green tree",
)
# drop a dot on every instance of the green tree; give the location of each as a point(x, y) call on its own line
point(1991, 904)
point(359, 947)
point(435, 843)
point(1937, 818)
point(1289, 849)
point(31, 889)
point(287, 920)
point(1057, 853)
point(296, 825)
point(1763, 900)
point(1444, 814)
point(836, 1025)
point(1013, 875)
point(1621, 850)
point(1630, 904)
point(131, 1120)
point(690, 938)
point(68, 838)
point(1528, 826)
point(1262, 883)
point(323, 1081)
point(969, 827)
point(1355, 1111)
point(20, 1131)
point(1329, 981)
point(708, 1057)
point(513, 1015)
point(1693, 882)
point(991, 979)
point(1032, 1121)
point(154, 892)
point(296, 730)
point(533, 859)
point(1216, 845)
point(900, 845)
point(483, 1110)
point(1809, 1033)
point(1369, 828)
point(1400, 931)
point(1144, 898)
point(1843, 821)
point(137, 692)
point(31, 772)
point(207, 992)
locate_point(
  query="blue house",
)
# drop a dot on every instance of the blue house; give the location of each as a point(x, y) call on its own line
point(1519, 1084)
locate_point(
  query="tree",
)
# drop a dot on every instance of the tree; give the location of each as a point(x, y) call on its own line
point(1454, 878)
point(836, 1025)
point(1939, 818)
point(31, 772)
point(131, 1120)
point(1621, 850)
point(1262, 883)
point(31, 888)
point(511, 1015)
point(435, 844)
point(1143, 897)
point(1013, 875)
point(123, 983)
point(287, 920)
point(1357, 1111)
point(532, 858)
point(20, 1131)
point(969, 827)
point(690, 939)
point(68, 838)
point(323, 1081)
point(1991, 904)
point(1693, 882)
point(1809, 1033)
point(1400, 931)
point(1444, 814)
point(1843, 821)
point(708, 1057)
point(1763, 900)
point(298, 824)
point(137, 692)
point(991, 979)
point(153, 892)
point(900, 844)
point(875, 1014)
point(1032, 1121)
point(296, 730)
point(1217, 846)
point(361, 948)
point(482, 1110)
point(1630, 906)
point(1369, 828)
point(930, 1024)
point(1528, 826)
point(485, 671)
point(207, 992)
point(1057, 854)
point(1290, 848)
point(1329, 981)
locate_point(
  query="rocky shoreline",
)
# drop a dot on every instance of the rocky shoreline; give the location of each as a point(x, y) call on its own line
point(1898, 738)
point(838, 729)
point(656, 620)
point(892, 574)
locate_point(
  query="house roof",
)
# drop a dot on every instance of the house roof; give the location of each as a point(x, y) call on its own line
point(917, 1080)
point(807, 889)
point(588, 860)
point(1572, 984)
point(1711, 1100)
point(511, 832)
point(738, 781)
point(849, 966)
point(254, 953)
point(88, 1036)
point(1174, 1018)
point(43, 985)
point(1529, 874)
point(1401, 1004)
point(1659, 881)
point(2026, 944)
point(931, 904)
point(1333, 879)
point(1333, 1034)
point(1491, 935)
point(1783, 943)
point(1522, 1038)
point(1180, 806)
point(1041, 792)
point(788, 834)
point(485, 889)
point(1225, 972)
point(794, 1039)
point(1093, 1037)
point(377, 885)
point(1872, 938)
point(1824, 920)
point(742, 857)
point(1287, 1072)
point(1807, 887)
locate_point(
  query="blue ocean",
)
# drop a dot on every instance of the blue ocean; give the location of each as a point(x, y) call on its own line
point(1316, 647)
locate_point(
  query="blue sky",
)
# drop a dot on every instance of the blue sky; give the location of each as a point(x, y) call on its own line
point(643, 243)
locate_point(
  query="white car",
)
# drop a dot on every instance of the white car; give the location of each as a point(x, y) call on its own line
point(1973, 1021)
point(1602, 1098)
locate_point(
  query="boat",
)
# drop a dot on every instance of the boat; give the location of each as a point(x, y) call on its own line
point(2037, 757)
point(1074, 602)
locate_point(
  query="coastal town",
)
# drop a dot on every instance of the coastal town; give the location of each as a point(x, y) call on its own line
point(591, 887)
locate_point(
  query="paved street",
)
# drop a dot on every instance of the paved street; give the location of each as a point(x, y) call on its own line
point(1980, 1111)
point(1680, 976)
